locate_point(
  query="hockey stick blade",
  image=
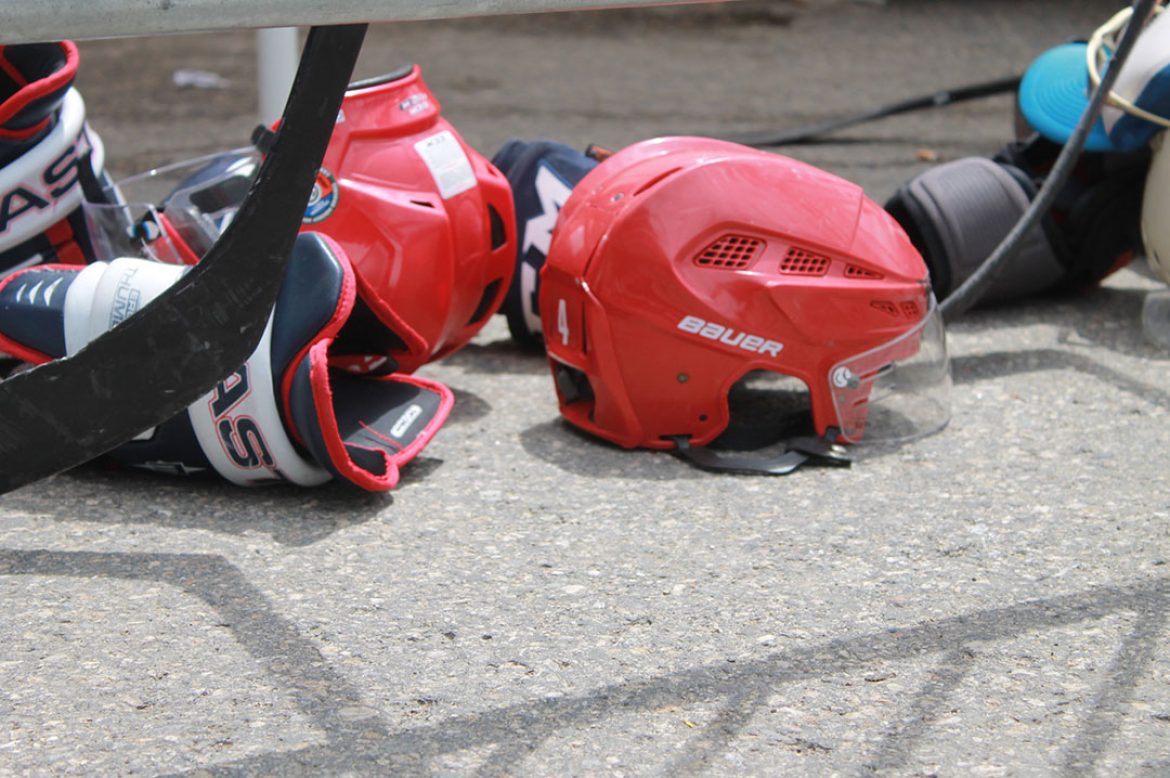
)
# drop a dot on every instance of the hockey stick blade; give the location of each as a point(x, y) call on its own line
point(174, 350)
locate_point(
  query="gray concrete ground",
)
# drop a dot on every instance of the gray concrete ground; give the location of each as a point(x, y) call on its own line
point(990, 601)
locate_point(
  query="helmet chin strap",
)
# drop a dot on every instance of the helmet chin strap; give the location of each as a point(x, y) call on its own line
point(821, 451)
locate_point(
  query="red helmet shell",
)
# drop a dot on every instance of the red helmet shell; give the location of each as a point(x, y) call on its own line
point(426, 220)
point(679, 265)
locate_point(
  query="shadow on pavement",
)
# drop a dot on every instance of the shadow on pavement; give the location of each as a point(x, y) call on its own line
point(363, 744)
point(998, 364)
point(289, 514)
point(498, 357)
point(559, 444)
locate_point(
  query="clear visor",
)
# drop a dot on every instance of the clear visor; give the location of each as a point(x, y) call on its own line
point(173, 213)
point(900, 390)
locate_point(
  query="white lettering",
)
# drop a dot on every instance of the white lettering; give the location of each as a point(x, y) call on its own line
point(732, 341)
point(127, 298)
point(553, 192)
point(405, 420)
point(528, 279)
point(771, 347)
point(729, 337)
point(563, 321)
point(711, 330)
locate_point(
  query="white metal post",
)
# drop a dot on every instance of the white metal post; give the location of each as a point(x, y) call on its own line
point(277, 54)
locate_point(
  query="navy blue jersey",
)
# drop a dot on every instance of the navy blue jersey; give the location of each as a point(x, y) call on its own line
point(542, 175)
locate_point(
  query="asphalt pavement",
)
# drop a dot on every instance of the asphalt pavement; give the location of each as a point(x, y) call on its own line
point(989, 601)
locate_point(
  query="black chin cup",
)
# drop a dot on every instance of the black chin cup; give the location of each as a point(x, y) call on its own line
point(958, 212)
point(821, 451)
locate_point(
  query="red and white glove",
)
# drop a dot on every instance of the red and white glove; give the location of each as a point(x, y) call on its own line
point(48, 155)
point(287, 414)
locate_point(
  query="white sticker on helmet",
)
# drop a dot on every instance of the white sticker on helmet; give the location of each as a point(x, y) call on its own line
point(448, 163)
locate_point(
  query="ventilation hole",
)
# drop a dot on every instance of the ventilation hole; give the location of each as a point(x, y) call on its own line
point(573, 384)
point(731, 252)
point(907, 309)
point(801, 262)
point(853, 271)
point(423, 203)
point(499, 233)
point(485, 302)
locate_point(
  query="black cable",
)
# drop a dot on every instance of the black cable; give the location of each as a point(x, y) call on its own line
point(971, 290)
point(939, 99)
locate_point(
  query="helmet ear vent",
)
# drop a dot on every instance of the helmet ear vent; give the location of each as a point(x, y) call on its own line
point(485, 302)
point(802, 262)
point(904, 310)
point(853, 271)
point(499, 231)
point(573, 384)
point(731, 252)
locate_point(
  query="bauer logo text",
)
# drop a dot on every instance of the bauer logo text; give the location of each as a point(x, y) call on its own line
point(729, 336)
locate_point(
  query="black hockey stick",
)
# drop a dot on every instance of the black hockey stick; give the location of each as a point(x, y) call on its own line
point(167, 355)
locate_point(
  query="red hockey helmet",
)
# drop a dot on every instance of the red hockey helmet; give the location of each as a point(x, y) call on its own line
point(427, 221)
point(680, 265)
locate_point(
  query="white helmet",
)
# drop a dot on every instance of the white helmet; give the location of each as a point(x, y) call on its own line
point(1156, 209)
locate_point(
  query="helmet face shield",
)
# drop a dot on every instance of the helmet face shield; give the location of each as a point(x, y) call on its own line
point(200, 208)
point(116, 230)
point(196, 200)
point(897, 391)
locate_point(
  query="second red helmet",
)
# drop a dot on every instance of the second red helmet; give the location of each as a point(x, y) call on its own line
point(680, 266)
point(427, 222)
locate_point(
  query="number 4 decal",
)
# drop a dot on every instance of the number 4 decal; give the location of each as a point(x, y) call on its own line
point(563, 321)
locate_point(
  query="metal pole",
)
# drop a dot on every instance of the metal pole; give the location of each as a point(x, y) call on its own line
point(22, 21)
point(277, 54)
